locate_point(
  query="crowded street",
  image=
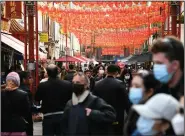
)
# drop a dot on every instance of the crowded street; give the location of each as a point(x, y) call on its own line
point(92, 68)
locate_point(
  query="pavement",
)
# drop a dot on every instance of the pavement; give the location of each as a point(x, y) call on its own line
point(37, 126)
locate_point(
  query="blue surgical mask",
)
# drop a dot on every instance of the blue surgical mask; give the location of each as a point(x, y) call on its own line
point(145, 126)
point(135, 95)
point(161, 73)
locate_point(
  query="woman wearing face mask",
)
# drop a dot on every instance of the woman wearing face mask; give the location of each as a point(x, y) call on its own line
point(126, 77)
point(101, 73)
point(156, 115)
point(142, 88)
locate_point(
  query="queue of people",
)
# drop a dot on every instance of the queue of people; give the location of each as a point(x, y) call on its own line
point(102, 100)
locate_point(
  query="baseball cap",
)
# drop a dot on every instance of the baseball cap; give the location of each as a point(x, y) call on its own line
point(160, 106)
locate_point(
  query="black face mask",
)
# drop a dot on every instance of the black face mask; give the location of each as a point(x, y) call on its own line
point(78, 89)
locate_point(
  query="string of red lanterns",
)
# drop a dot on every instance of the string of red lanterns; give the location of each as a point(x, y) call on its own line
point(111, 23)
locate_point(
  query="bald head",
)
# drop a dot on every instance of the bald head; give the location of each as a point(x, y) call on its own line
point(52, 71)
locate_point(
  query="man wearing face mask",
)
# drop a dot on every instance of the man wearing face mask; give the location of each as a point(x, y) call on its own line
point(86, 114)
point(113, 92)
point(168, 58)
point(54, 95)
point(156, 115)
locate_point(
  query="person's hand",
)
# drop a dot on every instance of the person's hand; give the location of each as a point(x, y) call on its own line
point(88, 111)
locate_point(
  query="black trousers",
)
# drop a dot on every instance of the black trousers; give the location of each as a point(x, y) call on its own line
point(52, 125)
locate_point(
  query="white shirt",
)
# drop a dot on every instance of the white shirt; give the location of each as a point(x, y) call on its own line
point(44, 80)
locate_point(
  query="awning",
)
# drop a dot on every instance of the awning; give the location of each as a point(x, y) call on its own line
point(83, 58)
point(13, 42)
point(17, 45)
point(141, 58)
point(126, 59)
point(68, 59)
point(145, 57)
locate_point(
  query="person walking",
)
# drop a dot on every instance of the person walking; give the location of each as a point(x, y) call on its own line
point(86, 114)
point(142, 88)
point(155, 120)
point(54, 95)
point(88, 73)
point(24, 85)
point(113, 92)
point(126, 77)
point(168, 58)
point(15, 107)
point(70, 73)
point(45, 78)
point(101, 73)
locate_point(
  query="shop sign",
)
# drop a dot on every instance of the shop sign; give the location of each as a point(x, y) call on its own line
point(5, 25)
point(43, 37)
point(13, 9)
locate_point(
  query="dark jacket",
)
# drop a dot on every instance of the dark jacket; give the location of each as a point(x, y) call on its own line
point(92, 83)
point(97, 78)
point(70, 75)
point(15, 108)
point(175, 91)
point(29, 118)
point(54, 94)
point(130, 128)
point(130, 123)
point(112, 91)
point(99, 122)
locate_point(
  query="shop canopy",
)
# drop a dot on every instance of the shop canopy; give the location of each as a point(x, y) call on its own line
point(17, 44)
point(144, 57)
point(68, 58)
point(83, 58)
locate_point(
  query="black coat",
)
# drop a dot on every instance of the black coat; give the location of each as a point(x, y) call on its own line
point(130, 123)
point(113, 92)
point(15, 108)
point(99, 122)
point(54, 94)
point(29, 118)
point(69, 76)
point(176, 91)
point(92, 83)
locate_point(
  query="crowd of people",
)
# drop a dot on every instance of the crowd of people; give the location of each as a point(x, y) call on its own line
point(102, 100)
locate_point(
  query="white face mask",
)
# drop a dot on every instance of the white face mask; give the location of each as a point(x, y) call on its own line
point(178, 124)
point(101, 71)
point(127, 77)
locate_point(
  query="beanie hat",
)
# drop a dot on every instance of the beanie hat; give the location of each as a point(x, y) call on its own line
point(14, 77)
